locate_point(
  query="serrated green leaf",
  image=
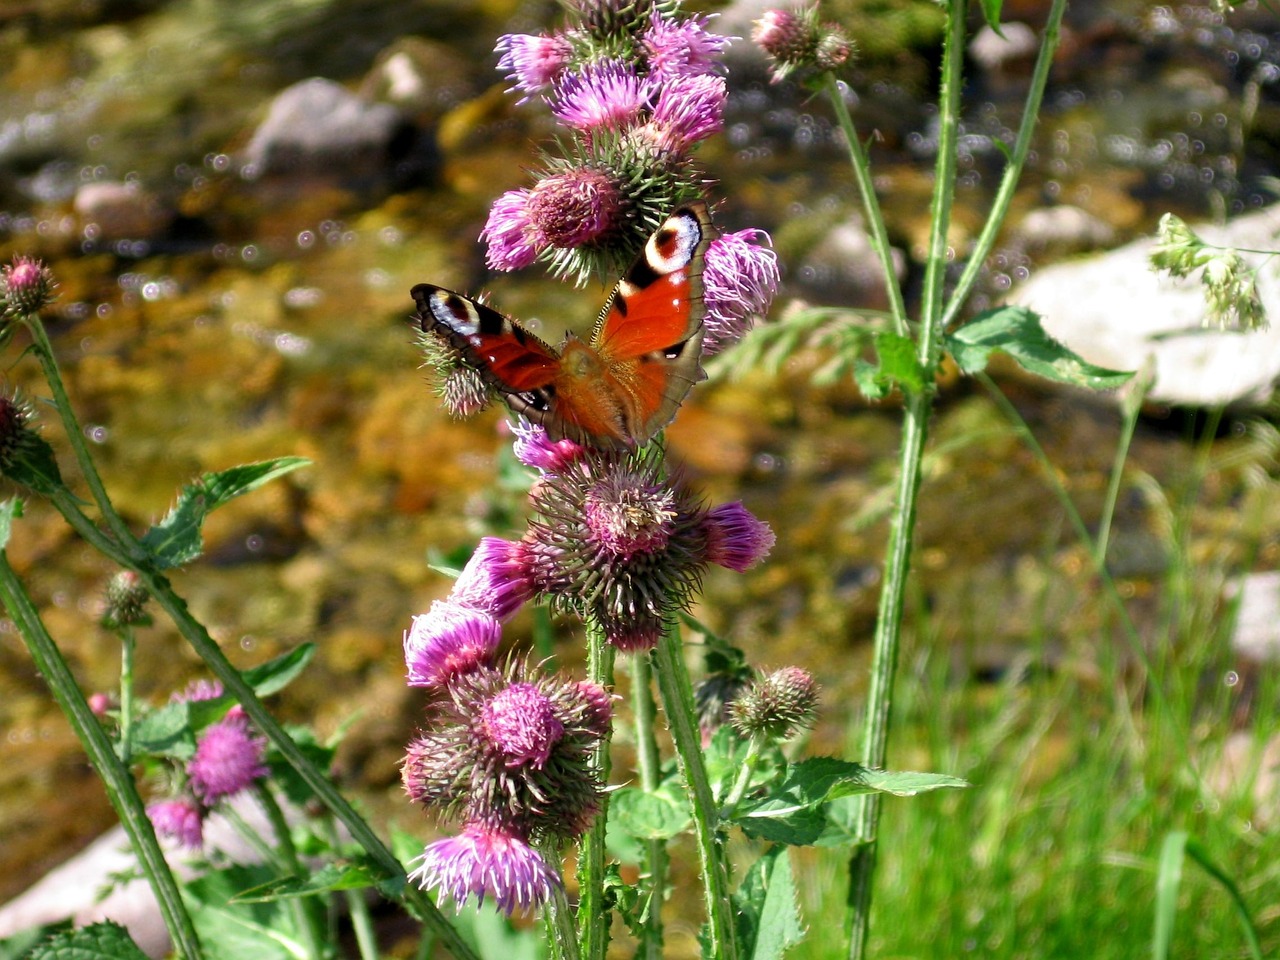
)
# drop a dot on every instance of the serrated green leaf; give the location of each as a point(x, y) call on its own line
point(1017, 332)
point(170, 730)
point(796, 811)
point(330, 877)
point(176, 539)
point(991, 13)
point(105, 940)
point(230, 930)
point(10, 510)
point(648, 816)
point(768, 916)
point(278, 672)
point(20, 945)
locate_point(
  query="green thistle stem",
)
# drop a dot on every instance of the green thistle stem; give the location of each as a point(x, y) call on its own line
point(888, 632)
point(749, 764)
point(677, 703)
point(593, 918)
point(310, 910)
point(127, 644)
point(870, 203)
point(649, 762)
point(1013, 171)
point(119, 785)
point(208, 650)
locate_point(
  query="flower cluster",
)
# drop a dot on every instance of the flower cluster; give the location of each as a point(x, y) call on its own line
point(636, 86)
point(507, 750)
point(1230, 284)
point(796, 39)
point(229, 758)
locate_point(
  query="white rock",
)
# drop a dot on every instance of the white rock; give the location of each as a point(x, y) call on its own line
point(1115, 311)
point(72, 889)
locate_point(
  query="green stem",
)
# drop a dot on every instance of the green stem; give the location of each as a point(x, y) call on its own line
point(884, 663)
point(749, 764)
point(566, 937)
point(208, 650)
point(115, 775)
point(127, 644)
point(75, 436)
point(649, 762)
point(677, 703)
point(1132, 407)
point(593, 918)
point(870, 203)
point(362, 924)
point(311, 911)
point(1013, 171)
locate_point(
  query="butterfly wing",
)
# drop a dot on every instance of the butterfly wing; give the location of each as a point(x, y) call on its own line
point(649, 334)
point(511, 360)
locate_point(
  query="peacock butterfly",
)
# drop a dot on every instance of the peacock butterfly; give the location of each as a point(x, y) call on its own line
point(618, 390)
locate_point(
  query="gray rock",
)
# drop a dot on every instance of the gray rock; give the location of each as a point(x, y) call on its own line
point(1064, 228)
point(318, 126)
point(1115, 311)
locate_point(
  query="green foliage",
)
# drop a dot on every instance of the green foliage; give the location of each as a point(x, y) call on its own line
point(1177, 847)
point(231, 928)
point(649, 816)
point(1016, 331)
point(170, 731)
point(767, 913)
point(797, 810)
point(176, 539)
point(99, 941)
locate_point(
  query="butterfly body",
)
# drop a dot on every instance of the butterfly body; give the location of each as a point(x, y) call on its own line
point(625, 384)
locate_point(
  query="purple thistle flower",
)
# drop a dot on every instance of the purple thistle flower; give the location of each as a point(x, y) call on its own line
point(617, 542)
point(199, 689)
point(496, 579)
point(604, 96)
point(520, 721)
point(535, 449)
point(484, 861)
point(688, 109)
point(512, 749)
point(181, 818)
point(739, 278)
point(449, 641)
point(598, 703)
point(573, 208)
point(533, 62)
point(735, 538)
point(26, 284)
point(228, 759)
point(509, 232)
point(678, 47)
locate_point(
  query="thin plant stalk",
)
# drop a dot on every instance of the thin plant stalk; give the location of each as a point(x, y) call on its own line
point(126, 550)
point(870, 203)
point(127, 645)
point(884, 663)
point(1013, 170)
point(648, 761)
point(593, 919)
point(116, 778)
point(677, 703)
point(311, 910)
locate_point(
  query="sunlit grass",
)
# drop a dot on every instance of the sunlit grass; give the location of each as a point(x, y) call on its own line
point(1082, 762)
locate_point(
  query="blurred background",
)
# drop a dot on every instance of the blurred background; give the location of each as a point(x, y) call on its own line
point(237, 195)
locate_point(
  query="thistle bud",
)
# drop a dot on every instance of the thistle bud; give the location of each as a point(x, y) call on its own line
point(125, 600)
point(778, 706)
point(28, 285)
